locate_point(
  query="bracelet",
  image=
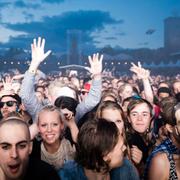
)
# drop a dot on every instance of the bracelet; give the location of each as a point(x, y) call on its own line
point(32, 71)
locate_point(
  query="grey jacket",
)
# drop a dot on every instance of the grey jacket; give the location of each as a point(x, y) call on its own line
point(33, 106)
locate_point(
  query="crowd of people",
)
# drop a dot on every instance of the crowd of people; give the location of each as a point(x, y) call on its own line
point(65, 127)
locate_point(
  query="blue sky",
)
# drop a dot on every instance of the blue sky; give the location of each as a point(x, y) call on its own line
point(124, 23)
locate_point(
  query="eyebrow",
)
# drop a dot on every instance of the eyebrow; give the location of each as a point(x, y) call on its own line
point(20, 142)
point(140, 112)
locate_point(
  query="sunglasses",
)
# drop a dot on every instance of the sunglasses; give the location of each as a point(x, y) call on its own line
point(8, 103)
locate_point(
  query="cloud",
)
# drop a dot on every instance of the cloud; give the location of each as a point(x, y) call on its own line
point(25, 4)
point(121, 34)
point(20, 4)
point(54, 29)
point(4, 4)
point(110, 38)
point(53, 1)
point(28, 16)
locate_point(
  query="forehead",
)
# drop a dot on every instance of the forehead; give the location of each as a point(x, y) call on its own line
point(111, 114)
point(176, 84)
point(13, 133)
point(141, 107)
point(7, 98)
point(49, 115)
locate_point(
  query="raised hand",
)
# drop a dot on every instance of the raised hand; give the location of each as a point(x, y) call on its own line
point(70, 122)
point(7, 86)
point(7, 83)
point(140, 71)
point(69, 117)
point(38, 54)
point(144, 74)
point(95, 62)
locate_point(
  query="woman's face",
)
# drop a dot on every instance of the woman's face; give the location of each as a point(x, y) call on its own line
point(116, 155)
point(140, 117)
point(114, 115)
point(127, 92)
point(50, 126)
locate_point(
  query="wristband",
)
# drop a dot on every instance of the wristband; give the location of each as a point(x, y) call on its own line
point(32, 71)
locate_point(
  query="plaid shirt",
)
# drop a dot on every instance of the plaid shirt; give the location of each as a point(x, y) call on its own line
point(167, 147)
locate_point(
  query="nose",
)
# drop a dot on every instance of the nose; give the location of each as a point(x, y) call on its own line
point(49, 128)
point(139, 117)
point(14, 153)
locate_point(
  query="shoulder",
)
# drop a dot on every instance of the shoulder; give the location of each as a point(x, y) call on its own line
point(126, 171)
point(160, 159)
point(71, 170)
point(159, 166)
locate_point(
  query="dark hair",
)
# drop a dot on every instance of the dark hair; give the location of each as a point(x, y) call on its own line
point(39, 86)
point(109, 93)
point(135, 101)
point(167, 110)
point(14, 96)
point(66, 102)
point(109, 105)
point(96, 139)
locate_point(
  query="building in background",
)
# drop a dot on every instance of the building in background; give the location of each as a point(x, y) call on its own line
point(172, 35)
point(74, 47)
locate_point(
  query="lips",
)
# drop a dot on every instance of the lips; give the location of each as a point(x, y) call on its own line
point(14, 168)
point(140, 124)
point(49, 136)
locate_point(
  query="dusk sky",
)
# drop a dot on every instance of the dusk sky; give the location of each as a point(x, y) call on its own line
point(124, 23)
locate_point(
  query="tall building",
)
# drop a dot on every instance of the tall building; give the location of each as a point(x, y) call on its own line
point(172, 34)
point(74, 47)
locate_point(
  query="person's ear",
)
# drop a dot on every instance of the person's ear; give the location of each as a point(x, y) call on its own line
point(169, 128)
point(106, 158)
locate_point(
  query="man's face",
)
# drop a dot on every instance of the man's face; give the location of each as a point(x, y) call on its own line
point(15, 148)
point(140, 117)
point(8, 104)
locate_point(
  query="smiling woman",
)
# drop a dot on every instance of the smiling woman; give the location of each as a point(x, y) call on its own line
point(53, 148)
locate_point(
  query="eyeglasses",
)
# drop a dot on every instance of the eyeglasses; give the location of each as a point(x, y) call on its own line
point(8, 103)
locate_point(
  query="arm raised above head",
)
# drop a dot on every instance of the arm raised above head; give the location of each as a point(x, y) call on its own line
point(144, 75)
point(38, 55)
